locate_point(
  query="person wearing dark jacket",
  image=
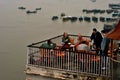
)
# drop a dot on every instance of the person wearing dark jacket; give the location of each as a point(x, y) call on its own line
point(97, 38)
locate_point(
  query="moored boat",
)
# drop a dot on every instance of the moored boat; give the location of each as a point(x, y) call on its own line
point(73, 19)
point(23, 8)
point(28, 12)
point(55, 18)
point(80, 19)
point(87, 19)
point(38, 8)
point(66, 18)
point(102, 19)
point(94, 19)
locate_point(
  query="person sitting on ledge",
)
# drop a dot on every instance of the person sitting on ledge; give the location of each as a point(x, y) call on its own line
point(49, 44)
point(80, 40)
point(65, 38)
point(83, 46)
point(65, 41)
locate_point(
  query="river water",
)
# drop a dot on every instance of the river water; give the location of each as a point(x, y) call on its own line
point(18, 29)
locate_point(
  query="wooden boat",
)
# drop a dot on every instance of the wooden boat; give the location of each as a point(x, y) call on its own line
point(87, 19)
point(115, 15)
point(63, 14)
point(28, 12)
point(23, 8)
point(80, 19)
point(55, 18)
point(114, 5)
point(73, 19)
point(38, 8)
point(94, 19)
point(102, 19)
point(108, 11)
point(66, 18)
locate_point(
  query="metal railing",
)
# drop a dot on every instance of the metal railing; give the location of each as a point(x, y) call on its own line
point(68, 60)
point(81, 62)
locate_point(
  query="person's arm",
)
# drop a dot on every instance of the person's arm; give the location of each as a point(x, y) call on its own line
point(92, 36)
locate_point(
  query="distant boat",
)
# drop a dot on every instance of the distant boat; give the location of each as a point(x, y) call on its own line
point(95, 19)
point(116, 11)
point(108, 27)
point(93, 0)
point(118, 15)
point(95, 11)
point(116, 8)
point(109, 11)
point(102, 19)
point(87, 19)
point(73, 19)
point(102, 11)
point(38, 8)
point(55, 18)
point(80, 18)
point(28, 12)
point(111, 19)
point(89, 11)
point(66, 18)
point(62, 14)
point(23, 8)
point(114, 5)
point(114, 15)
point(84, 10)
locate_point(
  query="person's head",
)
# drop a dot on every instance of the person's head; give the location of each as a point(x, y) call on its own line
point(65, 34)
point(94, 30)
point(103, 32)
point(49, 41)
point(79, 36)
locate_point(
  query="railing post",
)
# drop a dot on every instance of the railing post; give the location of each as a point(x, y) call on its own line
point(27, 55)
point(68, 59)
point(111, 59)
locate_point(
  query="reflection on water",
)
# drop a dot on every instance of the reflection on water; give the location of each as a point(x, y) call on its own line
point(18, 29)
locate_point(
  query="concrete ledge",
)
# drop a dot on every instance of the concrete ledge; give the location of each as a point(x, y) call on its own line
point(59, 74)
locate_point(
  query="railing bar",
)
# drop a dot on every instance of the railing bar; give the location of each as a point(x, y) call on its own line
point(89, 63)
point(81, 63)
point(84, 63)
point(106, 65)
point(95, 64)
point(46, 58)
point(78, 63)
point(57, 60)
point(68, 60)
point(102, 57)
point(50, 58)
point(61, 59)
point(99, 66)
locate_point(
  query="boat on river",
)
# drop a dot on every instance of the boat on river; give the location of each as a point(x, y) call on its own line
point(94, 19)
point(30, 12)
point(22, 8)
